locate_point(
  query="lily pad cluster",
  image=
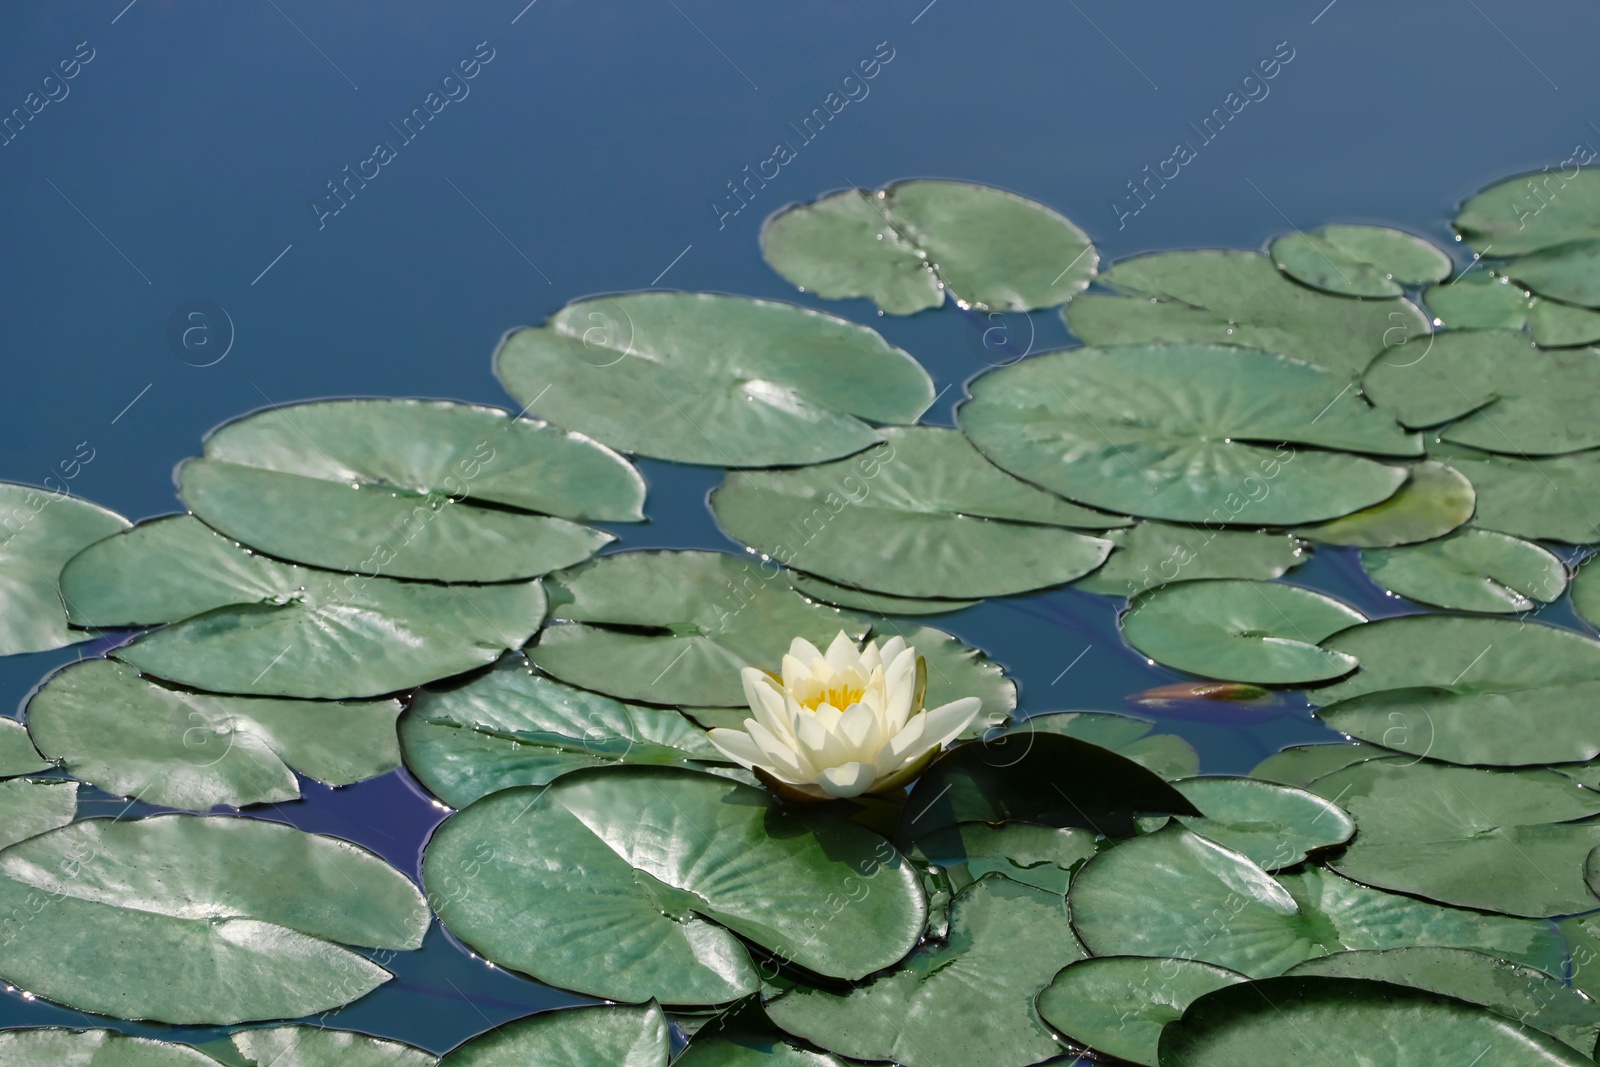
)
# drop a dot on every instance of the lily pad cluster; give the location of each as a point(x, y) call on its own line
point(364, 585)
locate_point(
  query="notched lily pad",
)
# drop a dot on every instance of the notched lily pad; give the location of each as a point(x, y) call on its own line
point(1470, 570)
point(719, 380)
point(1533, 211)
point(904, 245)
point(134, 737)
point(1117, 1005)
point(1436, 499)
point(1276, 826)
point(1367, 261)
point(616, 1035)
point(1547, 498)
point(1149, 554)
point(1241, 631)
point(39, 532)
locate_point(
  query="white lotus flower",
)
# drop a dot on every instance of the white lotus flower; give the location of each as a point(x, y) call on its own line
point(845, 723)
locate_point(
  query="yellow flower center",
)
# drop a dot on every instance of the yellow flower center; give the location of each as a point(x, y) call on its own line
point(840, 696)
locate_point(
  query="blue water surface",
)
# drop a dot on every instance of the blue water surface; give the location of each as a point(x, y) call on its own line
point(226, 206)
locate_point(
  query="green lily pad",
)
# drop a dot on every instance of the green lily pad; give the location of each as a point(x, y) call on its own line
point(1505, 394)
point(343, 636)
point(1117, 1005)
point(1040, 856)
point(1550, 498)
point(1568, 272)
point(616, 1035)
point(1167, 755)
point(1586, 593)
point(39, 532)
point(1482, 300)
point(17, 754)
point(94, 1048)
point(1241, 631)
point(967, 1001)
point(410, 489)
point(1275, 826)
point(30, 806)
point(1314, 1019)
point(1149, 554)
point(1175, 893)
point(512, 727)
point(719, 380)
point(871, 601)
point(313, 1046)
point(934, 518)
point(1436, 499)
point(743, 1036)
point(1515, 991)
point(1557, 325)
point(1532, 211)
point(1470, 570)
point(1465, 690)
point(172, 568)
point(111, 917)
point(1240, 298)
point(632, 883)
point(1502, 841)
point(954, 670)
point(133, 737)
point(1169, 432)
point(676, 627)
point(1359, 260)
point(904, 245)
point(1301, 765)
point(1034, 776)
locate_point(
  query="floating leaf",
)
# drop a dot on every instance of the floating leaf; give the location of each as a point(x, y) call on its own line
point(94, 1048)
point(720, 380)
point(1359, 260)
point(967, 1001)
point(39, 532)
point(1467, 690)
point(1532, 211)
point(1239, 298)
point(30, 806)
point(1556, 325)
point(632, 882)
point(17, 754)
point(133, 737)
point(1515, 991)
point(313, 1046)
point(1313, 1019)
point(1586, 593)
point(905, 244)
point(1470, 570)
point(1551, 498)
point(617, 1036)
point(1481, 301)
point(172, 568)
point(1032, 776)
point(870, 600)
point(922, 515)
point(343, 636)
point(1505, 394)
point(1275, 826)
point(955, 670)
point(410, 489)
point(1569, 272)
point(1167, 755)
point(1502, 841)
point(676, 627)
point(1436, 499)
point(1166, 432)
point(1040, 856)
point(111, 917)
point(1241, 631)
point(1117, 1005)
point(1175, 893)
point(1149, 554)
point(512, 727)
point(1303, 764)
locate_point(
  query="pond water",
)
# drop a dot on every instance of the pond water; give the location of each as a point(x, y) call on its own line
point(176, 257)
